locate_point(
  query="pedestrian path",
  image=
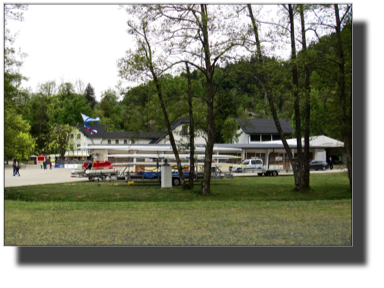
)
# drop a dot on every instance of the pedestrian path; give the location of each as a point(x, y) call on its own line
point(34, 175)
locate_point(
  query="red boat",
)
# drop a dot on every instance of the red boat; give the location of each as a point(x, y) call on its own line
point(97, 165)
point(99, 169)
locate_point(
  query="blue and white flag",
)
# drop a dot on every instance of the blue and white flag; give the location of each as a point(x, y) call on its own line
point(87, 119)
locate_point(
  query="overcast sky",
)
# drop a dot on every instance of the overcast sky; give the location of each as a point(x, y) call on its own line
point(75, 42)
point(72, 42)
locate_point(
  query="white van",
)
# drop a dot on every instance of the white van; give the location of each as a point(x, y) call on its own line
point(255, 163)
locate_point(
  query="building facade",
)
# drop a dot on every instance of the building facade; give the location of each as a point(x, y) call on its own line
point(259, 139)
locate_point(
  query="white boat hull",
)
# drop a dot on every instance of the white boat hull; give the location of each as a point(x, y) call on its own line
point(77, 172)
point(101, 171)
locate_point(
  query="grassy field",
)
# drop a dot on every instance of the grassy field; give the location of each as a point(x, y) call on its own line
point(240, 211)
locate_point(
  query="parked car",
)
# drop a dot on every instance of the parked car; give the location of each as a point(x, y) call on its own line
point(318, 164)
point(251, 164)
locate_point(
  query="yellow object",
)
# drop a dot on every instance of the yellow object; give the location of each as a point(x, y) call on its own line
point(131, 182)
point(147, 169)
point(182, 167)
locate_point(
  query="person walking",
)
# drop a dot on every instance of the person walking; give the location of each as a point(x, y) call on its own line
point(41, 165)
point(330, 163)
point(17, 170)
point(45, 163)
point(49, 162)
point(14, 167)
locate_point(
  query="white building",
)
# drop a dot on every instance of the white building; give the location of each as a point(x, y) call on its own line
point(259, 139)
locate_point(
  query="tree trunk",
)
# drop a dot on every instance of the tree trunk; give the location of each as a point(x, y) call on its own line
point(271, 103)
point(206, 183)
point(299, 173)
point(170, 133)
point(306, 178)
point(346, 128)
point(191, 131)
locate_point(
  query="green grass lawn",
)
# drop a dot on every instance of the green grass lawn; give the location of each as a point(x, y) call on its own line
point(331, 186)
point(241, 211)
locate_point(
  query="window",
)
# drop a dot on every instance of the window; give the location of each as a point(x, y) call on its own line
point(116, 141)
point(279, 158)
point(78, 145)
point(125, 141)
point(78, 136)
point(255, 138)
point(266, 137)
point(71, 136)
point(184, 130)
point(132, 141)
point(276, 137)
point(109, 141)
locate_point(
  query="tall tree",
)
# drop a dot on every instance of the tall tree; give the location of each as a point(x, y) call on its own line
point(297, 169)
point(191, 129)
point(345, 105)
point(202, 36)
point(145, 61)
point(299, 181)
point(90, 95)
point(60, 139)
point(66, 107)
point(79, 86)
point(66, 89)
point(48, 88)
point(334, 69)
point(111, 110)
point(307, 107)
point(38, 118)
point(18, 143)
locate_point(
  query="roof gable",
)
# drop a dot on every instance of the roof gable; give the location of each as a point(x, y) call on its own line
point(264, 126)
point(174, 125)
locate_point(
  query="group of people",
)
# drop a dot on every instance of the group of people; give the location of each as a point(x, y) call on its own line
point(16, 169)
point(46, 162)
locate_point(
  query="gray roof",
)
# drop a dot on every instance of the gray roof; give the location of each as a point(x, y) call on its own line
point(180, 121)
point(100, 130)
point(104, 134)
point(173, 126)
point(127, 135)
point(264, 126)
